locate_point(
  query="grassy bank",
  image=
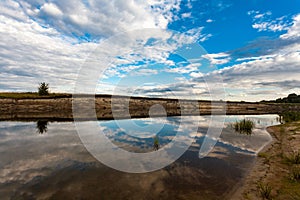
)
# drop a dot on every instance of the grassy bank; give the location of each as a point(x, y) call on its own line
point(276, 174)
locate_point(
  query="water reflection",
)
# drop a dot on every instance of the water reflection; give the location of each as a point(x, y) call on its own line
point(156, 143)
point(57, 165)
point(134, 140)
point(41, 126)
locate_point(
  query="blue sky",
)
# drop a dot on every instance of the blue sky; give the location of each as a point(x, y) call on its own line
point(194, 49)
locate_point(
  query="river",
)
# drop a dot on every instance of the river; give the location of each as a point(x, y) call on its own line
point(47, 160)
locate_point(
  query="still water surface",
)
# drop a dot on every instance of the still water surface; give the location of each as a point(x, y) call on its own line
point(46, 160)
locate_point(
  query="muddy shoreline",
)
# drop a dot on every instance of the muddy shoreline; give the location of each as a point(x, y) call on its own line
point(108, 107)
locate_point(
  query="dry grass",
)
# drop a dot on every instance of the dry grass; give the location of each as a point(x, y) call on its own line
point(293, 158)
point(264, 190)
point(31, 95)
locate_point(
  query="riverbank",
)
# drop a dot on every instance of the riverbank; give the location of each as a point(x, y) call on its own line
point(61, 107)
point(274, 175)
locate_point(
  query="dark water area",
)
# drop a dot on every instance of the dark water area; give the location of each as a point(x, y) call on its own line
point(47, 160)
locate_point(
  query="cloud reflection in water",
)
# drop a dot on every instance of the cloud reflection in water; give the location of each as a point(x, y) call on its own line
point(30, 161)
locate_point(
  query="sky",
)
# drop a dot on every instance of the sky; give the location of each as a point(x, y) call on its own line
point(190, 49)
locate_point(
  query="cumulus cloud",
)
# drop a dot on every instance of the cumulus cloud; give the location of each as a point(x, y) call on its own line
point(31, 53)
point(266, 68)
point(102, 18)
point(288, 41)
point(264, 22)
point(47, 40)
point(50, 40)
point(196, 74)
point(269, 26)
point(285, 84)
point(193, 67)
point(256, 14)
point(255, 58)
point(186, 15)
point(265, 77)
point(294, 30)
point(145, 72)
point(52, 10)
point(217, 58)
point(174, 90)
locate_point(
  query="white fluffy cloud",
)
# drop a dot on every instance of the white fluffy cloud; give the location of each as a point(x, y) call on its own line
point(37, 36)
point(265, 77)
point(217, 58)
point(102, 18)
point(49, 41)
point(31, 53)
point(193, 67)
point(269, 26)
point(52, 10)
point(264, 22)
point(294, 30)
point(264, 69)
point(209, 21)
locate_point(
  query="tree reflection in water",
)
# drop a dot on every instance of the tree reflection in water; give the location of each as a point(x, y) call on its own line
point(41, 126)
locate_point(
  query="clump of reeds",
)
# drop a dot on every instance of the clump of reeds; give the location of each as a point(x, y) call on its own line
point(294, 158)
point(295, 173)
point(41, 126)
point(244, 126)
point(264, 190)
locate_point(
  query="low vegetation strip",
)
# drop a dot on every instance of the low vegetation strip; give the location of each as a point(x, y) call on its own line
point(32, 95)
point(290, 116)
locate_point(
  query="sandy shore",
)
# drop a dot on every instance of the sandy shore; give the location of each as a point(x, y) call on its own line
point(272, 168)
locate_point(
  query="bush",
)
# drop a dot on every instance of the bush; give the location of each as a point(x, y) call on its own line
point(244, 126)
point(43, 89)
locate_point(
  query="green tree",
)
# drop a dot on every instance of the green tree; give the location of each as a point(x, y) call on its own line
point(43, 89)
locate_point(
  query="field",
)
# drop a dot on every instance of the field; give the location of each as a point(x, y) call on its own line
point(31, 95)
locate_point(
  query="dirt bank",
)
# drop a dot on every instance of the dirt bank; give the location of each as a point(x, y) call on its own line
point(274, 167)
point(61, 108)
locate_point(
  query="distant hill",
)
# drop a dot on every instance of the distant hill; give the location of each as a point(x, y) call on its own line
point(291, 98)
